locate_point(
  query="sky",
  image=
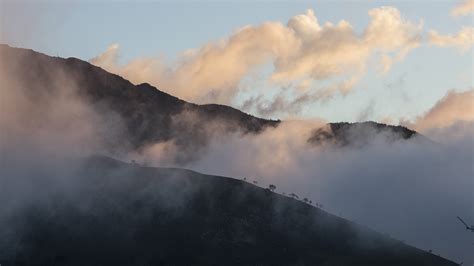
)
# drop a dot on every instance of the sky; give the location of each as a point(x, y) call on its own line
point(408, 62)
point(167, 32)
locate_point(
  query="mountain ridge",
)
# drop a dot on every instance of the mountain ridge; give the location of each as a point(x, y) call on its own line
point(103, 211)
point(150, 115)
point(141, 106)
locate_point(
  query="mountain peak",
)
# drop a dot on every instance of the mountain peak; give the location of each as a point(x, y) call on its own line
point(146, 112)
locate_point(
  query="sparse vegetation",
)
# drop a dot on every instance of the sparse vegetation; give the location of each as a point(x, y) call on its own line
point(293, 195)
point(130, 215)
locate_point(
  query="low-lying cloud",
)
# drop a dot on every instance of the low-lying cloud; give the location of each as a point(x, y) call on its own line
point(412, 190)
point(49, 119)
point(409, 189)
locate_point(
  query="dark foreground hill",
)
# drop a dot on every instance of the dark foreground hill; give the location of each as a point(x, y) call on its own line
point(104, 212)
point(124, 214)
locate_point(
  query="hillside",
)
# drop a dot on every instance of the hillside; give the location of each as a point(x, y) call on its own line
point(101, 211)
point(124, 214)
point(145, 115)
point(359, 134)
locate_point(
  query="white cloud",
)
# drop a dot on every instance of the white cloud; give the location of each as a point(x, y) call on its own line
point(301, 52)
point(453, 108)
point(463, 40)
point(464, 8)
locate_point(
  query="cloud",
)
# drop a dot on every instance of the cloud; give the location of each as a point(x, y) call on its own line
point(412, 190)
point(286, 103)
point(464, 8)
point(44, 123)
point(45, 117)
point(303, 53)
point(407, 189)
point(452, 108)
point(60, 120)
point(108, 58)
point(462, 40)
point(212, 72)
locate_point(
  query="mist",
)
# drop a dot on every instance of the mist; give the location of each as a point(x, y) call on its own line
point(52, 166)
point(45, 129)
point(411, 189)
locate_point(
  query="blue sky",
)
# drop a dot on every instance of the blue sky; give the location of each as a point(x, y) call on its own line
point(85, 29)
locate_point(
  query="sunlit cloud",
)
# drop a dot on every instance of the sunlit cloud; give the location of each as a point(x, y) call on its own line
point(464, 8)
point(462, 40)
point(453, 108)
point(302, 52)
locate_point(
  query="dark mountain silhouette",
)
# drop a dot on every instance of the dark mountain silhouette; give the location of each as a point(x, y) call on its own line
point(149, 115)
point(114, 213)
point(359, 134)
point(124, 214)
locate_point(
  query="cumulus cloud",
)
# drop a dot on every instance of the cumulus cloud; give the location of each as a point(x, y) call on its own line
point(464, 8)
point(303, 53)
point(212, 72)
point(454, 107)
point(463, 40)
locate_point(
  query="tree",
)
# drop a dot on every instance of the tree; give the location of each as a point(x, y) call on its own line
point(293, 195)
point(272, 187)
point(306, 200)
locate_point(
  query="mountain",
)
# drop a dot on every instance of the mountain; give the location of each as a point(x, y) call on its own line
point(125, 214)
point(147, 115)
point(100, 211)
point(359, 134)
